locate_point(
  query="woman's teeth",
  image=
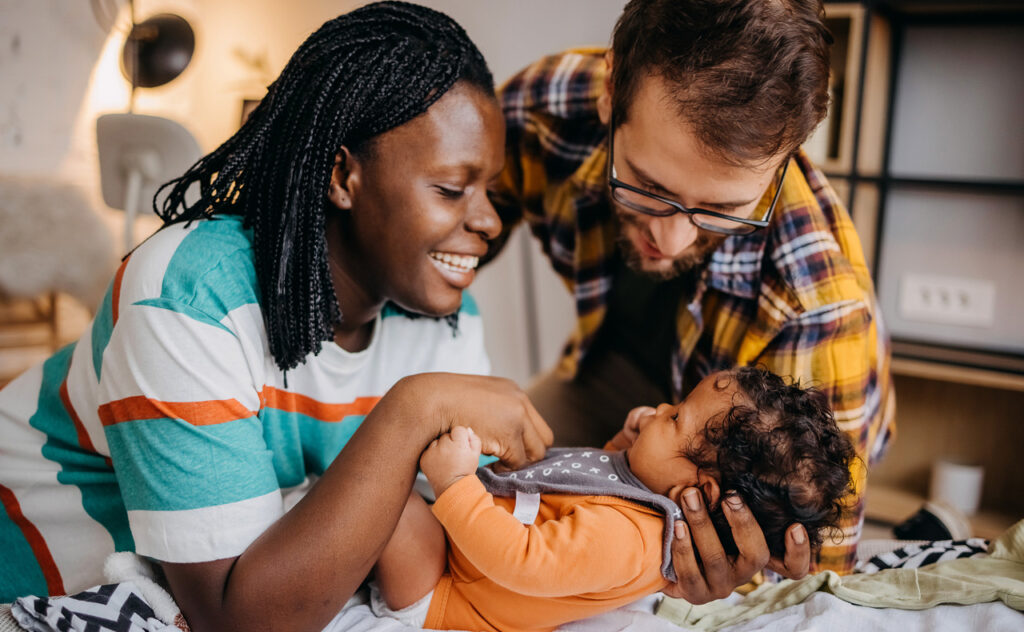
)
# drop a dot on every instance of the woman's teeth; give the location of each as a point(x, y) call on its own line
point(456, 263)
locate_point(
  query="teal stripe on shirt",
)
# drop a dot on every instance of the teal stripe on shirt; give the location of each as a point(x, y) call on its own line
point(102, 327)
point(87, 470)
point(212, 269)
point(20, 574)
point(469, 306)
point(168, 464)
point(304, 444)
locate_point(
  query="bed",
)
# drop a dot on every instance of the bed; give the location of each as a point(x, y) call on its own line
point(978, 592)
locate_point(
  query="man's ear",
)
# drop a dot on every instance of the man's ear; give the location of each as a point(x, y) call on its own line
point(604, 102)
point(345, 177)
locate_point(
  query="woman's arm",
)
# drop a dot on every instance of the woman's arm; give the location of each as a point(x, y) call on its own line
point(301, 570)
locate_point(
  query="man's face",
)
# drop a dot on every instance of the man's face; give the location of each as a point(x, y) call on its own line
point(657, 150)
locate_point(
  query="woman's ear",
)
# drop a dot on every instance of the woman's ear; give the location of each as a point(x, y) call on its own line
point(344, 180)
point(709, 485)
point(604, 102)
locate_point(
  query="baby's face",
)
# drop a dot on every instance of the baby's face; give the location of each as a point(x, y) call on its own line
point(657, 456)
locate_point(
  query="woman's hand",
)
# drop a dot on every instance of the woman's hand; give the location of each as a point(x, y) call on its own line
point(500, 413)
point(624, 438)
point(451, 456)
point(718, 574)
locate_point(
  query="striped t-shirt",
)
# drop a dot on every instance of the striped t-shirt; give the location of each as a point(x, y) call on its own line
point(167, 429)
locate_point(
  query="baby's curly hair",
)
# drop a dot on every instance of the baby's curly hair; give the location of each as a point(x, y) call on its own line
point(780, 449)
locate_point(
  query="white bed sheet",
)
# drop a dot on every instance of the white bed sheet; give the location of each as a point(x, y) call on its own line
point(821, 611)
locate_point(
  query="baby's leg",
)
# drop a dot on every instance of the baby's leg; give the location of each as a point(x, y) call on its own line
point(415, 558)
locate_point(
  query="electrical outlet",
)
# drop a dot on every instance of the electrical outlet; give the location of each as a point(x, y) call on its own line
point(948, 300)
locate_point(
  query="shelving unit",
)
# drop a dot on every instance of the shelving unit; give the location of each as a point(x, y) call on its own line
point(891, 505)
point(924, 145)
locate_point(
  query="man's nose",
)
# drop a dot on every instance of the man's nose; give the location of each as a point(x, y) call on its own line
point(673, 234)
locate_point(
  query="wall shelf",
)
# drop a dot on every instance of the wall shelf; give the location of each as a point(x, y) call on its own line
point(946, 372)
point(927, 161)
point(974, 186)
point(892, 506)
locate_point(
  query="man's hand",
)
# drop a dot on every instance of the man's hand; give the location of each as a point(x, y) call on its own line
point(450, 457)
point(721, 573)
point(624, 438)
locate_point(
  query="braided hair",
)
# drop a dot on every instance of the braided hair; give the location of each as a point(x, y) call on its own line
point(359, 75)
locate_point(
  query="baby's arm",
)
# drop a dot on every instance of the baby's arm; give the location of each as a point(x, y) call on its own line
point(592, 548)
point(417, 554)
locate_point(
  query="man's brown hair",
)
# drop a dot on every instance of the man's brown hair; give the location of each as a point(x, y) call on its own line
point(751, 76)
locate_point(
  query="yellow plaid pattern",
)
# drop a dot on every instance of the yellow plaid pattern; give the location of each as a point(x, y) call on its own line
point(796, 297)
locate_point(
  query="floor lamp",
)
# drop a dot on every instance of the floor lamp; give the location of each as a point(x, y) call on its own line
point(139, 153)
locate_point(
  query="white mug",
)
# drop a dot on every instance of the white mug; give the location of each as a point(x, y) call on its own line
point(958, 484)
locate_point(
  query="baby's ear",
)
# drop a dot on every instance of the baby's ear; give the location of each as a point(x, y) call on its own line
point(709, 485)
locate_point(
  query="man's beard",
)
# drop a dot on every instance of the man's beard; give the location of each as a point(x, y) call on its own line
point(692, 263)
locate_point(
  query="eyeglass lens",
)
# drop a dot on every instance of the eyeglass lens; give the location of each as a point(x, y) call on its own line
point(652, 206)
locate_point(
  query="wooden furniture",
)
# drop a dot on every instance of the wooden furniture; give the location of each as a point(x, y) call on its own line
point(29, 332)
point(924, 143)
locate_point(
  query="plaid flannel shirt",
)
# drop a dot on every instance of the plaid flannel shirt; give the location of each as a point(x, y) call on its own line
point(795, 297)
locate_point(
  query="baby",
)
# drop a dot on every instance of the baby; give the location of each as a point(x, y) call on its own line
point(599, 537)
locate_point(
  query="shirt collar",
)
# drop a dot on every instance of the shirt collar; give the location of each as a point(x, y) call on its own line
point(735, 267)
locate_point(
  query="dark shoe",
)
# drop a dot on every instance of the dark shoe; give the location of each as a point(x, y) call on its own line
point(936, 520)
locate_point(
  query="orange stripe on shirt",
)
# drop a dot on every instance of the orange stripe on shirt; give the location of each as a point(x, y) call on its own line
point(83, 437)
point(305, 405)
point(54, 582)
point(205, 413)
point(115, 294)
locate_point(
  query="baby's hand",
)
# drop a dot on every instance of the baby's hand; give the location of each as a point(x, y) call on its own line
point(625, 437)
point(450, 457)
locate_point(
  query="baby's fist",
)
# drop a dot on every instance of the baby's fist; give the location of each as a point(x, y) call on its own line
point(631, 428)
point(450, 457)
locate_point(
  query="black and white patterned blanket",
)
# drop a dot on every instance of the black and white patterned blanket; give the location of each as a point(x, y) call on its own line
point(109, 608)
point(925, 553)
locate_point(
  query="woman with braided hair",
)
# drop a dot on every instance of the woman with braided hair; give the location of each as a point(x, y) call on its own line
point(304, 295)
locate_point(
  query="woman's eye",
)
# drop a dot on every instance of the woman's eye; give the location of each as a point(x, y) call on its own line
point(449, 192)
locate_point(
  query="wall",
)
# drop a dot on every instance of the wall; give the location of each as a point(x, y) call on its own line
point(59, 70)
point(957, 116)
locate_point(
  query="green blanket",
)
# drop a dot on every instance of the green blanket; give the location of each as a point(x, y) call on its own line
point(999, 576)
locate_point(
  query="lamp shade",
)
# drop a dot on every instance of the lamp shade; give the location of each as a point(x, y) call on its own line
point(137, 155)
point(157, 50)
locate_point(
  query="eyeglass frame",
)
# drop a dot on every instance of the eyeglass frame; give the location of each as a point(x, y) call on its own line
point(676, 207)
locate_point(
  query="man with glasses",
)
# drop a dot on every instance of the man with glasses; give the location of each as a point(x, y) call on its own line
point(665, 182)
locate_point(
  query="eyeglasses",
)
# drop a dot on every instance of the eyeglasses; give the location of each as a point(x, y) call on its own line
point(648, 203)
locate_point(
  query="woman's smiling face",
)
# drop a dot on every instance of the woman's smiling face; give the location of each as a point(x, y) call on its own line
point(418, 214)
